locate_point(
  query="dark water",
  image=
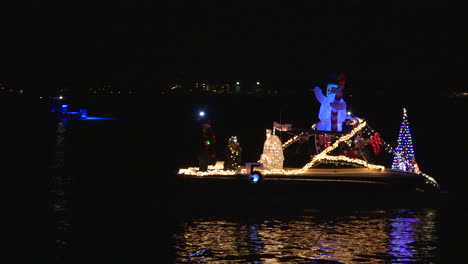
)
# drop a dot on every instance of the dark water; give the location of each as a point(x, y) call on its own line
point(377, 236)
point(102, 192)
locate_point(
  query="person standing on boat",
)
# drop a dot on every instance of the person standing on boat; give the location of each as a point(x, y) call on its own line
point(332, 111)
point(206, 153)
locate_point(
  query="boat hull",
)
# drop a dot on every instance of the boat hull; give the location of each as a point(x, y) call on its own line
point(314, 188)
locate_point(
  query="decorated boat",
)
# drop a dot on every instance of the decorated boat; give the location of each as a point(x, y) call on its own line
point(340, 154)
point(340, 157)
point(342, 172)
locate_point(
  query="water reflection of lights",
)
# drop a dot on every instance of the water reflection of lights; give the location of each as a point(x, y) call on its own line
point(360, 237)
point(254, 241)
point(408, 228)
point(61, 204)
point(401, 237)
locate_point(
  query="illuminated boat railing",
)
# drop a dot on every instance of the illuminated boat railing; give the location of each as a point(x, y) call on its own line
point(291, 141)
point(430, 180)
point(316, 159)
point(195, 171)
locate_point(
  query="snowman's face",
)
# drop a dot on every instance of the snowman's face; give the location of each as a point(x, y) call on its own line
point(339, 90)
point(332, 89)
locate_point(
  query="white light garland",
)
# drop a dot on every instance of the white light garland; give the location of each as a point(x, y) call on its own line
point(430, 179)
point(279, 172)
point(355, 161)
point(323, 155)
point(211, 171)
point(291, 140)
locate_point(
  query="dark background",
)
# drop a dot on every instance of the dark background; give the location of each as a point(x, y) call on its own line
point(394, 54)
point(414, 48)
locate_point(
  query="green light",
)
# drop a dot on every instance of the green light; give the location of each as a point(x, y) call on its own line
point(208, 142)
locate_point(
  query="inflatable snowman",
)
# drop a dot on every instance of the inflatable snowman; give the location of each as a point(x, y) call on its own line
point(332, 111)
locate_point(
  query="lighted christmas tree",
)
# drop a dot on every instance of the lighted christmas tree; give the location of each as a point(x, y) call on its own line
point(233, 154)
point(404, 153)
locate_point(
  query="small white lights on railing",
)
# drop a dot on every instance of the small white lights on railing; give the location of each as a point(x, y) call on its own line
point(290, 141)
point(322, 155)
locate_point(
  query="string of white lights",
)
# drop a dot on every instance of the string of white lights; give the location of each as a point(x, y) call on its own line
point(355, 161)
point(322, 155)
point(211, 171)
point(430, 179)
point(291, 140)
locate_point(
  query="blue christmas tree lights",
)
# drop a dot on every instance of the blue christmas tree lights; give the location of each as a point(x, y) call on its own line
point(404, 154)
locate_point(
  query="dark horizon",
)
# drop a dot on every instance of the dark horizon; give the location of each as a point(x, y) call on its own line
point(48, 47)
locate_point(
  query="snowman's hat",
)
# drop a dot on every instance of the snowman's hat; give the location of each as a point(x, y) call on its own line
point(341, 79)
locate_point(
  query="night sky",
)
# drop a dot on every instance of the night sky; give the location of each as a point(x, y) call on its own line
point(421, 45)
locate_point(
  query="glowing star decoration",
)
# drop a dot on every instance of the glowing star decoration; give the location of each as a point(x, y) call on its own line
point(404, 154)
point(272, 157)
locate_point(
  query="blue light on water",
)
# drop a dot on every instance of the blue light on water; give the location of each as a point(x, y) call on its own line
point(64, 121)
point(255, 243)
point(199, 253)
point(64, 106)
point(401, 237)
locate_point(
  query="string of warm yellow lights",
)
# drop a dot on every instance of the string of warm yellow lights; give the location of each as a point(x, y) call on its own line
point(430, 179)
point(211, 171)
point(291, 140)
point(322, 155)
point(355, 161)
point(279, 172)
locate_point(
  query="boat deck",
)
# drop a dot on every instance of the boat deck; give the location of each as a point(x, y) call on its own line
point(315, 175)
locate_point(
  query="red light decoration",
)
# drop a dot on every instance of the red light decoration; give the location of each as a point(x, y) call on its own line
point(376, 142)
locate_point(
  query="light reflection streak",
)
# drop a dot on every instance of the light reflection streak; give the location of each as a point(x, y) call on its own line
point(60, 205)
point(401, 237)
point(254, 241)
point(408, 228)
point(380, 236)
